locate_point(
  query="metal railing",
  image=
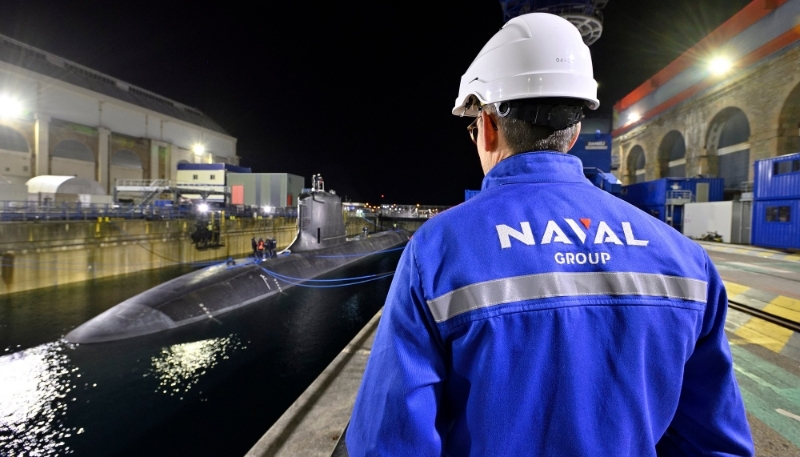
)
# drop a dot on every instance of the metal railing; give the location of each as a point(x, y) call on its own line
point(401, 211)
point(19, 211)
point(680, 195)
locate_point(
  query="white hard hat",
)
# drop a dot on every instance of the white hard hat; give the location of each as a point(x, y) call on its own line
point(536, 55)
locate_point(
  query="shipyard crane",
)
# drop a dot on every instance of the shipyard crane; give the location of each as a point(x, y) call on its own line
point(586, 15)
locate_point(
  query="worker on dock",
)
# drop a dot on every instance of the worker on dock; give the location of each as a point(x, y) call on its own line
point(545, 316)
point(261, 249)
point(254, 243)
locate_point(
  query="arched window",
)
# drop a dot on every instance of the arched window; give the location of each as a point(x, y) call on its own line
point(127, 159)
point(73, 149)
point(636, 164)
point(672, 155)
point(728, 147)
point(125, 165)
point(73, 158)
point(11, 140)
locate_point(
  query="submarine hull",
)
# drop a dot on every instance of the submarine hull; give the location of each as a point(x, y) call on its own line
point(207, 293)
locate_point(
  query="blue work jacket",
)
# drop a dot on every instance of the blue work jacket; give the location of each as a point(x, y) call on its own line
point(546, 317)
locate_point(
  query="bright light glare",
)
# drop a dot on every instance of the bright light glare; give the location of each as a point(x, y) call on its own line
point(199, 149)
point(267, 209)
point(10, 107)
point(633, 117)
point(202, 207)
point(720, 65)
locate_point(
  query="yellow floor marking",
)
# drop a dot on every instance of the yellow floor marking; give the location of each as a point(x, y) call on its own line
point(785, 307)
point(765, 334)
point(735, 289)
point(792, 257)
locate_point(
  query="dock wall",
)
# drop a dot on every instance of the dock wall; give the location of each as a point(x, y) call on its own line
point(48, 253)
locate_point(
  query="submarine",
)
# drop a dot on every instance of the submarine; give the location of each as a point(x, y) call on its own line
point(319, 247)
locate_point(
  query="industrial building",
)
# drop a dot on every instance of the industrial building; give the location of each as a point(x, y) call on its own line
point(728, 101)
point(58, 117)
point(726, 110)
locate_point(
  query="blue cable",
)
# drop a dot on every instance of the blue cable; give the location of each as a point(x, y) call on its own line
point(290, 278)
point(300, 281)
point(301, 284)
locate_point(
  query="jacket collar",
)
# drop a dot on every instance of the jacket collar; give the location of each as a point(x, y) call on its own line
point(540, 166)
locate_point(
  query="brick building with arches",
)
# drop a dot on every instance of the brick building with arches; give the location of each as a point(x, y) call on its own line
point(60, 118)
point(728, 101)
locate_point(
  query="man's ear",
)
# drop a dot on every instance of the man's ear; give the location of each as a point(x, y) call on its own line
point(574, 138)
point(489, 133)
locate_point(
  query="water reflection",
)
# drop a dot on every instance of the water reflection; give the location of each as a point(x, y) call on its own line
point(190, 391)
point(179, 367)
point(35, 389)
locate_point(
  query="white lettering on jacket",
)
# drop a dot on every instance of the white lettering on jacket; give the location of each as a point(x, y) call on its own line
point(553, 233)
point(580, 258)
point(506, 233)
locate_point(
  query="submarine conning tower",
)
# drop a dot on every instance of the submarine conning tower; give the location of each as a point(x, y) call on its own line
point(320, 219)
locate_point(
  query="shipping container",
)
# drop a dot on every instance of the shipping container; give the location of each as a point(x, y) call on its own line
point(661, 212)
point(776, 223)
point(777, 177)
point(654, 193)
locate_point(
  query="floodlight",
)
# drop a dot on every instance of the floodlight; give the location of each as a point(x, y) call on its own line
point(10, 107)
point(198, 149)
point(202, 207)
point(720, 65)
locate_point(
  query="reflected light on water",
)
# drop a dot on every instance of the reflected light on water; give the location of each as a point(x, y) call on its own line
point(34, 393)
point(179, 367)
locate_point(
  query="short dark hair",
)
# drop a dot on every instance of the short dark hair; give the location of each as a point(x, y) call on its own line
point(522, 136)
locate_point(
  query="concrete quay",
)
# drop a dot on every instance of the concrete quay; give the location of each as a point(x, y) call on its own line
point(766, 364)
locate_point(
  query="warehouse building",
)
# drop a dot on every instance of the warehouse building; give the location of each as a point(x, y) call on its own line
point(60, 118)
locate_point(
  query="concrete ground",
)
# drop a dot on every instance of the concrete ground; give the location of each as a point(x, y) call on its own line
point(766, 356)
point(766, 362)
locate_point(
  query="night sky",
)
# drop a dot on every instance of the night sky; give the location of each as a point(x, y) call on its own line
point(361, 94)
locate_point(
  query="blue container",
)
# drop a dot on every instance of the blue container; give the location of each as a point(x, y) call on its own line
point(777, 177)
point(776, 223)
point(594, 150)
point(470, 193)
point(660, 213)
point(654, 193)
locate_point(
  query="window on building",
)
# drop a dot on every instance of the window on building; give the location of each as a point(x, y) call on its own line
point(25, 168)
point(212, 177)
point(779, 168)
point(779, 214)
point(795, 165)
point(8, 169)
point(784, 213)
point(194, 177)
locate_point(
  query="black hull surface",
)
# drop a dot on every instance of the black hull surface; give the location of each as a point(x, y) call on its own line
point(207, 293)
